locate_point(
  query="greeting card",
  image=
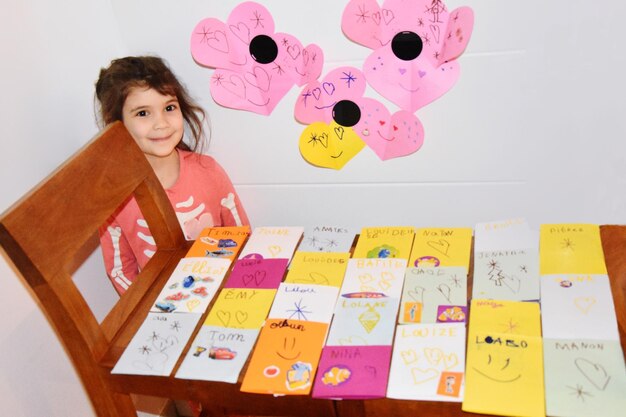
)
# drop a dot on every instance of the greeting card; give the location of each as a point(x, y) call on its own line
point(318, 268)
point(428, 362)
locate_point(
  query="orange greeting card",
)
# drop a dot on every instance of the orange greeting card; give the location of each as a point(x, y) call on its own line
point(285, 358)
point(220, 242)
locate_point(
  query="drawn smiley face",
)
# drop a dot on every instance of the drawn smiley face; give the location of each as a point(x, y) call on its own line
point(329, 145)
point(498, 362)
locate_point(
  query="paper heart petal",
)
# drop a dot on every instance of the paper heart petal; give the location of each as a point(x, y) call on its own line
point(320, 145)
point(389, 136)
point(255, 67)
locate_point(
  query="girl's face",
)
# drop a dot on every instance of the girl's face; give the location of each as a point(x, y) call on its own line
point(154, 121)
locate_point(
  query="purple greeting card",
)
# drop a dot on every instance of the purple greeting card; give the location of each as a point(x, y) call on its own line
point(257, 273)
point(352, 372)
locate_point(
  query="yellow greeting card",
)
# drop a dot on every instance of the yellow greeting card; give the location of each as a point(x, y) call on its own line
point(241, 308)
point(285, 357)
point(570, 249)
point(320, 268)
point(219, 242)
point(442, 246)
point(504, 375)
point(504, 367)
point(384, 242)
point(509, 317)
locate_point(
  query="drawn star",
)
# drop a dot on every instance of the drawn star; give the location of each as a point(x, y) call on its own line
point(450, 35)
point(348, 78)
point(257, 19)
point(154, 336)
point(510, 327)
point(175, 326)
point(312, 240)
point(331, 243)
point(314, 57)
point(456, 281)
point(205, 34)
point(218, 79)
point(299, 311)
point(493, 263)
point(426, 39)
point(420, 22)
point(362, 15)
point(523, 268)
point(436, 55)
point(285, 42)
point(315, 139)
point(145, 350)
point(567, 244)
point(579, 392)
point(278, 69)
point(456, 17)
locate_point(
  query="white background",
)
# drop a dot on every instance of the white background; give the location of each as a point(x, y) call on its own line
point(535, 127)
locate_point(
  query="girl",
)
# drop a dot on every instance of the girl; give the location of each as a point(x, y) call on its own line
point(145, 95)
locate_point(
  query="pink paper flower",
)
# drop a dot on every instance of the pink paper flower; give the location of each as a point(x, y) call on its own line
point(415, 43)
point(336, 111)
point(255, 67)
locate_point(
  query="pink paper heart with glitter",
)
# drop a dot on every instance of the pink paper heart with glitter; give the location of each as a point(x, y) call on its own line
point(415, 46)
point(389, 136)
point(255, 67)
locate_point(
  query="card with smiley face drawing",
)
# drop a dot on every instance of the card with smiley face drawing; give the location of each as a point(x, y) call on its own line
point(428, 362)
point(578, 306)
point(504, 372)
point(285, 358)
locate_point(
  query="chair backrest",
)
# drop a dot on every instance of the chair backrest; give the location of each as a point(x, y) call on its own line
point(51, 231)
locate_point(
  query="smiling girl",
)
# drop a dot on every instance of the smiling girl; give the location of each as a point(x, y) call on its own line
point(145, 95)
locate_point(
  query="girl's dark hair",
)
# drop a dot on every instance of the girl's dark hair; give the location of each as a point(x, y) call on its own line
point(116, 81)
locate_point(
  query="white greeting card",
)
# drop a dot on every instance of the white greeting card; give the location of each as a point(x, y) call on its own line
point(218, 354)
point(304, 302)
point(374, 277)
point(428, 362)
point(192, 285)
point(507, 274)
point(272, 242)
point(577, 307)
point(157, 345)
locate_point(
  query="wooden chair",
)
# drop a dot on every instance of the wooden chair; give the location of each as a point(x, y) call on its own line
point(50, 232)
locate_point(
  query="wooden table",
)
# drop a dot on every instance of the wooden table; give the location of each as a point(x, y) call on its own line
point(230, 398)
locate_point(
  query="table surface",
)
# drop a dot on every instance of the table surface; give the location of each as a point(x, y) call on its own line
point(229, 397)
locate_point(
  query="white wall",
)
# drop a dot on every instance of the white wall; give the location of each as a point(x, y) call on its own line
point(533, 128)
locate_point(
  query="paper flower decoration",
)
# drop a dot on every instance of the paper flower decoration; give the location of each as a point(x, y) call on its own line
point(415, 43)
point(255, 67)
point(341, 121)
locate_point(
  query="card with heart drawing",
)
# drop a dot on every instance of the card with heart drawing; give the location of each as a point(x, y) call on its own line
point(584, 378)
point(428, 362)
point(240, 308)
point(578, 306)
point(506, 274)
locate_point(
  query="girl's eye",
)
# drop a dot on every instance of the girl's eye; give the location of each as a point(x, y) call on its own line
point(171, 107)
point(142, 113)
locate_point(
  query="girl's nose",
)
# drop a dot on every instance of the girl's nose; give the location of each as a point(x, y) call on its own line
point(160, 121)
